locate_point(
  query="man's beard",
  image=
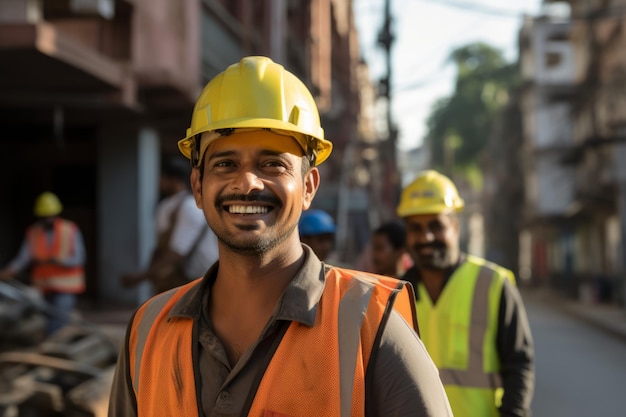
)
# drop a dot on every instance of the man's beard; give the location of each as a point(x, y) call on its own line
point(440, 257)
point(259, 246)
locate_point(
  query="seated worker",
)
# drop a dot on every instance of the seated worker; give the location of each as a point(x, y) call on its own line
point(317, 230)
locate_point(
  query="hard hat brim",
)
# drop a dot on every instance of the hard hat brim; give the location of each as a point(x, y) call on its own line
point(428, 209)
point(323, 146)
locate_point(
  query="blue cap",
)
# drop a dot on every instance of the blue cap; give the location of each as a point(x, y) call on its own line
point(316, 222)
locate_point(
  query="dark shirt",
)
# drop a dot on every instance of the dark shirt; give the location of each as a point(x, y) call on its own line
point(514, 346)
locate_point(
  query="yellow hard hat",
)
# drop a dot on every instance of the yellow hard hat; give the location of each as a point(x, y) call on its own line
point(429, 193)
point(47, 204)
point(256, 93)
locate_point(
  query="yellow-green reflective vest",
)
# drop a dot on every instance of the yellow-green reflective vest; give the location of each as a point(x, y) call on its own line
point(459, 333)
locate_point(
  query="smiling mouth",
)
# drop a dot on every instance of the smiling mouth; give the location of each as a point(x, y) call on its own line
point(239, 209)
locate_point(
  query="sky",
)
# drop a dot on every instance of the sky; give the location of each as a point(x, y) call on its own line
point(426, 31)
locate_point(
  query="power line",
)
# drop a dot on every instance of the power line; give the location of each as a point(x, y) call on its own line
point(416, 85)
point(478, 8)
point(428, 57)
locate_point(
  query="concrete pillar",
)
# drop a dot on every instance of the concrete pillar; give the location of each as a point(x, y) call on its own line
point(620, 174)
point(27, 11)
point(128, 175)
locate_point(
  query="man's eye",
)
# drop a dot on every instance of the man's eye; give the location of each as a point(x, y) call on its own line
point(223, 164)
point(436, 227)
point(274, 164)
point(416, 229)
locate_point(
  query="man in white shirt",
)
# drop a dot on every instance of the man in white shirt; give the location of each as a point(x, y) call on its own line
point(186, 246)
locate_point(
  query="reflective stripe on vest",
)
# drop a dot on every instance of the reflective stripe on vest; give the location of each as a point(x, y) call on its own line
point(352, 308)
point(326, 377)
point(474, 375)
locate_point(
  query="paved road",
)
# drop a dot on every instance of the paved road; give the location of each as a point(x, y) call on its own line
point(581, 370)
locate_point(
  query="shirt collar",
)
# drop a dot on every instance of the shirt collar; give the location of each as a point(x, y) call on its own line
point(298, 302)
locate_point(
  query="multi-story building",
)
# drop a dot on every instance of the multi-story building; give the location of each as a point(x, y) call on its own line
point(573, 119)
point(94, 92)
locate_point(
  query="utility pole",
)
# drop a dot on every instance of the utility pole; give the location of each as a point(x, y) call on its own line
point(388, 146)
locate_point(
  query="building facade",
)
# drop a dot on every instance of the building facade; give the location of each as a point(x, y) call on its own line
point(94, 92)
point(573, 107)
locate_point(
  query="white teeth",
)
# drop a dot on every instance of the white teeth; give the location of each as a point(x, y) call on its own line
point(247, 209)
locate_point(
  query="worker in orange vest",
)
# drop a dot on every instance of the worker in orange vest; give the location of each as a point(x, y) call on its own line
point(270, 330)
point(53, 248)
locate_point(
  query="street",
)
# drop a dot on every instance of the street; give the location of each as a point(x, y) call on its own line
point(581, 370)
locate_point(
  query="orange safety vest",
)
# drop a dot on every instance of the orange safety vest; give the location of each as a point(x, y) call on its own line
point(47, 275)
point(315, 371)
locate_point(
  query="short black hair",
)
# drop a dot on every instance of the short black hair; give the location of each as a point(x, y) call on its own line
point(395, 232)
point(176, 168)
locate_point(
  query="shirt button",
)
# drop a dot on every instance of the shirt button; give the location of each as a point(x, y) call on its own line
point(224, 399)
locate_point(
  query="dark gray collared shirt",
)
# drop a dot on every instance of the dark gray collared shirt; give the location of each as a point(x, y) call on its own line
point(405, 382)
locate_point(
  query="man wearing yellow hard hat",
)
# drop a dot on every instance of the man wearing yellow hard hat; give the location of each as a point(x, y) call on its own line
point(270, 330)
point(471, 316)
point(53, 248)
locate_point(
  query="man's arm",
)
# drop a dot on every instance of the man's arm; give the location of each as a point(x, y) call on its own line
point(161, 266)
point(122, 401)
point(406, 381)
point(516, 351)
point(18, 263)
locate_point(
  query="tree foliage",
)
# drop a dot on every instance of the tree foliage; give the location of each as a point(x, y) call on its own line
point(459, 126)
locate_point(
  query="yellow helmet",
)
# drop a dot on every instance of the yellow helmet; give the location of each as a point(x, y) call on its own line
point(47, 204)
point(429, 193)
point(256, 93)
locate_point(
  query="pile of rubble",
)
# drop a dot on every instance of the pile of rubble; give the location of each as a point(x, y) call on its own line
point(67, 374)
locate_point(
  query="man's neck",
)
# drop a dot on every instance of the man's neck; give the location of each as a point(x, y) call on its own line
point(246, 292)
point(433, 280)
point(257, 277)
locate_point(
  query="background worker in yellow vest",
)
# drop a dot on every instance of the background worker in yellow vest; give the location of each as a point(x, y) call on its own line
point(53, 248)
point(470, 313)
point(270, 330)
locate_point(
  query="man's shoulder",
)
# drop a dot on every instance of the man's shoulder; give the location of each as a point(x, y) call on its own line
point(498, 270)
point(179, 301)
point(68, 224)
point(366, 276)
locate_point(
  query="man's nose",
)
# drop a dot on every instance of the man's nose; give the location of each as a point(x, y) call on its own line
point(425, 236)
point(247, 181)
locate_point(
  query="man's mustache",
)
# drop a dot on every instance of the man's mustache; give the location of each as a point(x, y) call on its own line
point(433, 245)
point(248, 198)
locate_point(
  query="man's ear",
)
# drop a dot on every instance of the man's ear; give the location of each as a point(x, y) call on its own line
point(456, 224)
point(196, 186)
point(311, 184)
